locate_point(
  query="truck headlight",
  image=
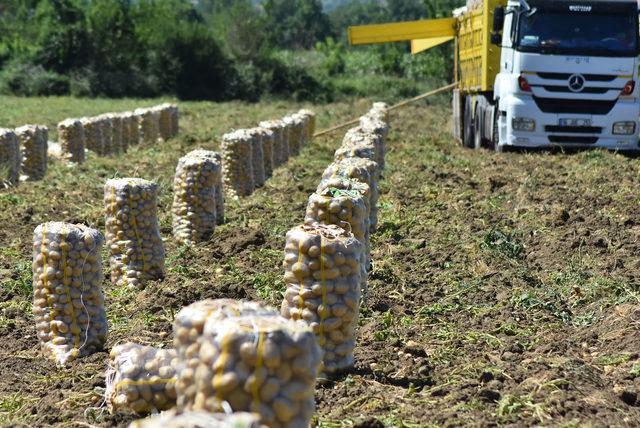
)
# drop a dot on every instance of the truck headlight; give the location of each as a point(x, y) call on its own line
point(523, 124)
point(624, 128)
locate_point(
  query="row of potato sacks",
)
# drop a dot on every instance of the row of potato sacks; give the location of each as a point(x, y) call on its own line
point(327, 258)
point(23, 154)
point(230, 358)
point(249, 156)
point(113, 133)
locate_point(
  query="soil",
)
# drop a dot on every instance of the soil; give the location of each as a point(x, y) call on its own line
point(504, 289)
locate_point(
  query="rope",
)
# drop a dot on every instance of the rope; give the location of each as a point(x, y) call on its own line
point(393, 107)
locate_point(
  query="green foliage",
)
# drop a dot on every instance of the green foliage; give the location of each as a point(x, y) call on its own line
point(296, 23)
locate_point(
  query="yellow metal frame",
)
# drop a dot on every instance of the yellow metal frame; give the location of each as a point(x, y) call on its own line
point(402, 31)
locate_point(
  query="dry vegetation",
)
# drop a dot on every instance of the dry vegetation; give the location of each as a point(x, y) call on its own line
point(504, 287)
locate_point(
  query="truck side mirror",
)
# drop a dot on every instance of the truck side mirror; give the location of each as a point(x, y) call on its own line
point(496, 38)
point(498, 19)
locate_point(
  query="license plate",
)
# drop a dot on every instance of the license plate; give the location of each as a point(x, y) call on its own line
point(575, 122)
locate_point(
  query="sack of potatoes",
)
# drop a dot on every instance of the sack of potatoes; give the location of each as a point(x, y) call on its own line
point(237, 163)
point(363, 170)
point(311, 123)
point(71, 139)
point(263, 364)
point(323, 273)
point(33, 151)
point(68, 304)
point(280, 140)
point(191, 419)
point(141, 378)
point(360, 137)
point(136, 250)
point(188, 327)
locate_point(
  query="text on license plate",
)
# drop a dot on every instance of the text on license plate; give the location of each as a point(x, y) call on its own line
point(575, 122)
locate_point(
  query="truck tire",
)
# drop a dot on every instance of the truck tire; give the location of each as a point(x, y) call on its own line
point(477, 128)
point(468, 139)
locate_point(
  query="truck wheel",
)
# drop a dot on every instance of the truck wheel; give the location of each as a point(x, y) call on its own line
point(477, 131)
point(495, 135)
point(468, 137)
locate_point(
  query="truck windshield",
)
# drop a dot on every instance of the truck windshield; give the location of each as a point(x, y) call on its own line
point(578, 33)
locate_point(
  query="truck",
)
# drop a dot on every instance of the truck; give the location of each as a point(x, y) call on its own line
point(536, 73)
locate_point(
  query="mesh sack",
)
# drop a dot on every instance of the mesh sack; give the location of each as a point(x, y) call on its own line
point(260, 363)
point(311, 123)
point(375, 125)
point(268, 137)
point(106, 130)
point(141, 378)
point(359, 137)
point(68, 304)
point(345, 207)
point(323, 273)
point(188, 327)
point(164, 121)
point(93, 134)
point(9, 158)
point(337, 185)
point(380, 110)
point(257, 157)
point(194, 198)
point(136, 251)
point(117, 134)
point(237, 163)
point(294, 127)
point(148, 123)
point(280, 141)
point(219, 190)
point(33, 147)
point(133, 126)
point(363, 170)
point(189, 419)
point(71, 139)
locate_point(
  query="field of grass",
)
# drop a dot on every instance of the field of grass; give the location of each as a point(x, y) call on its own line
point(505, 288)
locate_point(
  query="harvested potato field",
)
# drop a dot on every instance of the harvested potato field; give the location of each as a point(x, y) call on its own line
point(504, 288)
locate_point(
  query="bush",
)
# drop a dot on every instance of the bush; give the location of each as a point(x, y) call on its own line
point(25, 79)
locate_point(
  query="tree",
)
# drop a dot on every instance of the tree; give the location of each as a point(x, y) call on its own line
point(296, 24)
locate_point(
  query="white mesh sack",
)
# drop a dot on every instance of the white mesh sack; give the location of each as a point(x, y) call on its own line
point(264, 364)
point(360, 137)
point(294, 128)
point(190, 419)
point(136, 251)
point(194, 197)
point(257, 157)
point(268, 137)
point(9, 158)
point(33, 151)
point(280, 141)
point(311, 123)
point(237, 163)
point(323, 273)
point(68, 304)
point(188, 328)
point(71, 139)
point(141, 378)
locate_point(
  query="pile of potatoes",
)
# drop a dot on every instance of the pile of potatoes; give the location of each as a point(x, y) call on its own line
point(71, 139)
point(264, 364)
point(323, 273)
point(68, 304)
point(188, 328)
point(136, 251)
point(189, 419)
point(33, 150)
point(141, 378)
point(194, 197)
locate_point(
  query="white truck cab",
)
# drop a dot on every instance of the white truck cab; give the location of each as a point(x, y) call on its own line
point(568, 75)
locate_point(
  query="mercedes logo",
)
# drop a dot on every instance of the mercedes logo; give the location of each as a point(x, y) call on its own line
point(576, 82)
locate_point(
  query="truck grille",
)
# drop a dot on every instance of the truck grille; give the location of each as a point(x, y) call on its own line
point(574, 129)
point(558, 105)
point(563, 139)
point(588, 77)
point(583, 91)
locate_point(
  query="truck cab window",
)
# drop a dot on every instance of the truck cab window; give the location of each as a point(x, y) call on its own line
point(588, 34)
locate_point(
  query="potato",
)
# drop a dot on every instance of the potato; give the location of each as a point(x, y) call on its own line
point(68, 304)
point(194, 209)
point(131, 211)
